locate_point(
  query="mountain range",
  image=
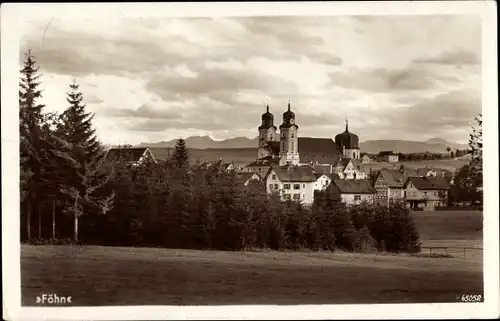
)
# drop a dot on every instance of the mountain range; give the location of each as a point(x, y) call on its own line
point(433, 145)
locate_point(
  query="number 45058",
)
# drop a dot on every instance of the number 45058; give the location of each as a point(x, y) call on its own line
point(471, 298)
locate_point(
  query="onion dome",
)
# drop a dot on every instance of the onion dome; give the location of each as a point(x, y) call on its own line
point(347, 139)
point(288, 119)
point(267, 120)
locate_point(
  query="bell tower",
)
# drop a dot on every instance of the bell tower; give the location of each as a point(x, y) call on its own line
point(267, 130)
point(289, 146)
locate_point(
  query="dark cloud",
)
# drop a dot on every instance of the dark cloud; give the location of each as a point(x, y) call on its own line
point(138, 51)
point(144, 111)
point(459, 57)
point(221, 84)
point(386, 80)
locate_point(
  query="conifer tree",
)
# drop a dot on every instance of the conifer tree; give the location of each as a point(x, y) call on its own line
point(83, 157)
point(180, 156)
point(30, 135)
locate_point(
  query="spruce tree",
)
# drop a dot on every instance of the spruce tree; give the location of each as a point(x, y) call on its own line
point(83, 156)
point(180, 156)
point(30, 136)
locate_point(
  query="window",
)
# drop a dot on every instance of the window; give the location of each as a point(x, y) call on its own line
point(293, 136)
point(292, 146)
point(270, 186)
point(425, 193)
point(296, 186)
point(357, 197)
point(274, 177)
point(296, 196)
point(286, 186)
point(275, 186)
point(303, 185)
point(286, 196)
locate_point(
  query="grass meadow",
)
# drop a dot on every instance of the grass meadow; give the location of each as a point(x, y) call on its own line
point(97, 276)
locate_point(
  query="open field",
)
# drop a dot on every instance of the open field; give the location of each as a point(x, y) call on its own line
point(146, 276)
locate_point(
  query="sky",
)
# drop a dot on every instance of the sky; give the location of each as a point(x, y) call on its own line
point(157, 79)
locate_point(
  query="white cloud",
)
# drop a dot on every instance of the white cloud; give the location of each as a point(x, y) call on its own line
point(217, 73)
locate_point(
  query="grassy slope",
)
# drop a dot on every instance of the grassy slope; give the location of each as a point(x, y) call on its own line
point(126, 276)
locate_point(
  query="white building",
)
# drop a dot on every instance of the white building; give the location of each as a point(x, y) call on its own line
point(353, 191)
point(348, 168)
point(294, 182)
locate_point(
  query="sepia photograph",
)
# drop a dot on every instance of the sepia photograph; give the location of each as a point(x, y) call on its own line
point(273, 154)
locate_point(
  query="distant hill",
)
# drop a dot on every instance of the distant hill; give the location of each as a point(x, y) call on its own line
point(204, 142)
point(434, 145)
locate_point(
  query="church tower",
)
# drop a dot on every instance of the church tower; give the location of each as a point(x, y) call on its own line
point(267, 130)
point(289, 146)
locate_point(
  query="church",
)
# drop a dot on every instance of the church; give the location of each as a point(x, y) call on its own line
point(323, 155)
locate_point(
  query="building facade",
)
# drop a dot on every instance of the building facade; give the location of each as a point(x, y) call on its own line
point(353, 192)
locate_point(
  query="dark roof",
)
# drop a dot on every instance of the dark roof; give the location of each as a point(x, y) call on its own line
point(294, 174)
point(343, 162)
point(321, 169)
point(321, 150)
point(354, 186)
point(243, 177)
point(428, 183)
point(393, 177)
point(125, 154)
point(274, 147)
point(387, 153)
point(264, 161)
point(162, 153)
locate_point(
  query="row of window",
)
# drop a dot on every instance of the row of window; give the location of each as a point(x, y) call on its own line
point(295, 196)
point(287, 186)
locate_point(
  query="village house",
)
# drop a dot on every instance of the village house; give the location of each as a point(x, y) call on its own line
point(353, 191)
point(134, 156)
point(425, 192)
point(246, 178)
point(322, 181)
point(366, 159)
point(389, 185)
point(348, 168)
point(292, 182)
point(388, 156)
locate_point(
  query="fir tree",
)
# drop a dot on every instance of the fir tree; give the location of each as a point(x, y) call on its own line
point(83, 157)
point(180, 156)
point(30, 136)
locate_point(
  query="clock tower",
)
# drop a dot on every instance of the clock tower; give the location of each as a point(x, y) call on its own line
point(289, 146)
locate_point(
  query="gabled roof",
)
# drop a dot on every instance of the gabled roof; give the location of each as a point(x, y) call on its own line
point(394, 178)
point(264, 161)
point(293, 174)
point(354, 186)
point(318, 168)
point(244, 177)
point(318, 175)
point(125, 154)
point(428, 183)
point(321, 150)
point(387, 153)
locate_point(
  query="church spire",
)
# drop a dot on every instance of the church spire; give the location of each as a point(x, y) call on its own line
point(288, 105)
point(346, 125)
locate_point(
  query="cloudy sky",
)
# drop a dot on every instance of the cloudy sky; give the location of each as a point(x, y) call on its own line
point(148, 80)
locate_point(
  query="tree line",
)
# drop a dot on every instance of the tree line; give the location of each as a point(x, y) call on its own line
point(71, 192)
